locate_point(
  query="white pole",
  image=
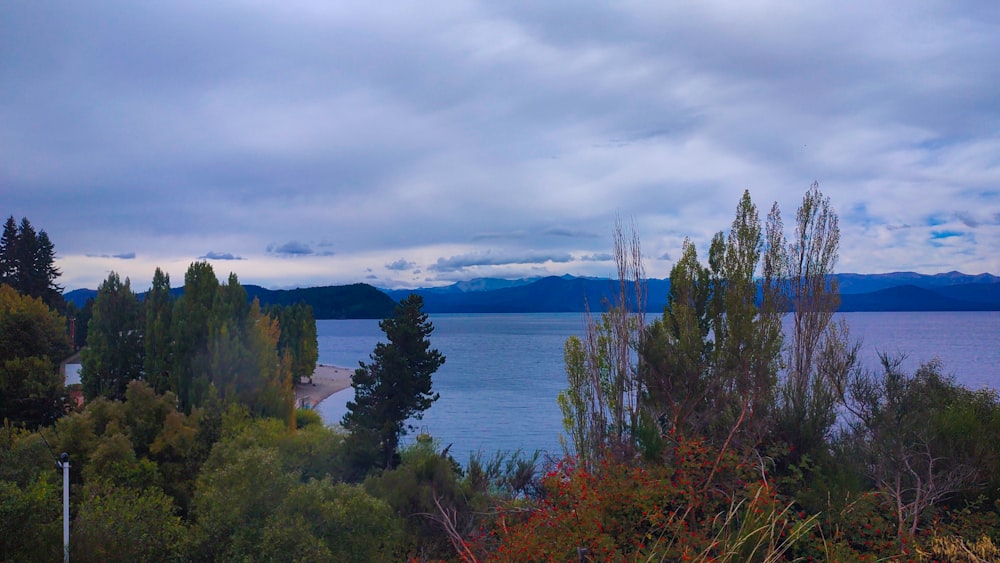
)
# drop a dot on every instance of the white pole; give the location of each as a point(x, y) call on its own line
point(65, 467)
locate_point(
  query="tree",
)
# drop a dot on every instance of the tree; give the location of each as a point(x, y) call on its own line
point(819, 355)
point(190, 330)
point(710, 363)
point(601, 411)
point(32, 342)
point(8, 249)
point(114, 353)
point(158, 306)
point(396, 385)
point(298, 342)
point(900, 425)
point(27, 262)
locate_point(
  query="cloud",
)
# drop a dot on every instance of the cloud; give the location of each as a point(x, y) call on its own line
point(600, 257)
point(571, 233)
point(499, 235)
point(458, 129)
point(296, 248)
point(487, 258)
point(120, 256)
point(212, 255)
point(291, 248)
point(967, 219)
point(400, 265)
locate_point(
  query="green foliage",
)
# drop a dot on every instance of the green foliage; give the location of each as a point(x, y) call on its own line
point(30, 498)
point(424, 487)
point(395, 386)
point(907, 429)
point(709, 365)
point(298, 343)
point(322, 521)
point(31, 520)
point(234, 500)
point(601, 408)
point(32, 342)
point(157, 341)
point(190, 330)
point(114, 353)
point(307, 417)
point(260, 480)
point(126, 524)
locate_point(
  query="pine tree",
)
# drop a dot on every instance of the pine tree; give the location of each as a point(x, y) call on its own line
point(396, 385)
point(27, 262)
point(8, 248)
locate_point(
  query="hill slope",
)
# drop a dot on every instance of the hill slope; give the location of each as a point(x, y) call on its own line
point(356, 301)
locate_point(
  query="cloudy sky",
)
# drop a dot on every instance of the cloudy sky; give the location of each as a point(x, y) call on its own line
point(406, 144)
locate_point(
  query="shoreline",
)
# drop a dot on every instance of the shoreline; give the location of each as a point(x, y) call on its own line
point(326, 381)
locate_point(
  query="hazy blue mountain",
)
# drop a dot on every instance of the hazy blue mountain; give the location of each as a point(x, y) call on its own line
point(910, 298)
point(550, 294)
point(468, 286)
point(900, 291)
point(975, 292)
point(866, 283)
point(79, 297)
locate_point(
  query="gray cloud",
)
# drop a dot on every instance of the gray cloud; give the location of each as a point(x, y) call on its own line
point(570, 233)
point(120, 256)
point(600, 257)
point(463, 261)
point(212, 255)
point(400, 265)
point(296, 248)
point(967, 219)
point(496, 236)
point(444, 129)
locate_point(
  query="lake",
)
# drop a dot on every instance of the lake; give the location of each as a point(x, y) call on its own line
point(503, 372)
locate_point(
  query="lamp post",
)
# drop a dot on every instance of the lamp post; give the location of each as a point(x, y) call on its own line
point(63, 464)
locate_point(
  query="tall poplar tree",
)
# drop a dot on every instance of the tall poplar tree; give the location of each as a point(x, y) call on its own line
point(158, 305)
point(114, 353)
point(190, 329)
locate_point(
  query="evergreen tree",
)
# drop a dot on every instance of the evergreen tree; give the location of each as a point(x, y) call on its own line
point(27, 262)
point(114, 353)
point(396, 385)
point(8, 248)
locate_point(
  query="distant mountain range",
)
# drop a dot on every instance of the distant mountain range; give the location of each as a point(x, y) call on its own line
point(902, 291)
point(356, 301)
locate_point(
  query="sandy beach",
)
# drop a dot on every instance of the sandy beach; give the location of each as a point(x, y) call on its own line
point(326, 381)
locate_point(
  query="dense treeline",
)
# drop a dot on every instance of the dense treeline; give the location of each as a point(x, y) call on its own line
point(209, 344)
